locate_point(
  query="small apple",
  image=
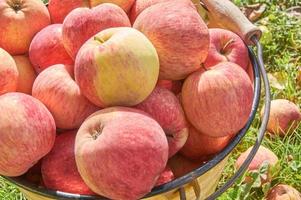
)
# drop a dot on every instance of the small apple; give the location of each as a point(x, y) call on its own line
point(284, 117)
point(174, 86)
point(27, 74)
point(47, 49)
point(82, 23)
point(27, 133)
point(199, 146)
point(120, 152)
point(9, 74)
point(57, 90)
point(179, 34)
point(59, 9)
point(223, 97)
point(166, 109)
point(263, 155)
point(283, 192)
point(226, 46)
point(20, 21)
point(59, 169)
point(118, 66)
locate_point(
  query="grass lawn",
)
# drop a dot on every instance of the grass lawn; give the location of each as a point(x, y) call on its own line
point(282, 47)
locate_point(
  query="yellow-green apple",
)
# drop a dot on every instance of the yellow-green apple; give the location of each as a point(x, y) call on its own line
point(47, 49)
point(179, 34)
point(59, 9)
point(120, 152)
point(56, 88)
point(174, 86)
point(226, 46)
point(82, 23)
point(284, 117)
point(27, 74)
point(118, 66)
point(165, 177)
point(181, 165)
point(166, 109)
point(9, 74)
point(20, 21)
point(27, 133)
point(223, 97)
point(59, 169)
point(283, 192)
point(199, 145)
point(263, 156)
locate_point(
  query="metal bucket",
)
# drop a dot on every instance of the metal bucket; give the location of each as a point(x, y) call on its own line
point(201, 183)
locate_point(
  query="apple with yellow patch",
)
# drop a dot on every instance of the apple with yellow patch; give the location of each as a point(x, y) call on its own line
point(118, 66)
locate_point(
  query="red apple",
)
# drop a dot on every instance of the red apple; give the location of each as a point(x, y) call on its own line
point(141, 5)
point(284, 117)
point(217, 102)
point(47, 48)
point(263, 155)
point(9, 74)
point(59, 9)
point(27, 133)
point(165, 177)
point(20, 21)
point(166, 109)
point(226, 46)
point(120, 152)
point(27, 74)
point(199, 145)
point(283, 192)
point(179, 34)
point(59, 169)
point(82, 23)
point(181, 165)
point(56, 88)
point(33, 175)
point(174, 86)
point(124, 4)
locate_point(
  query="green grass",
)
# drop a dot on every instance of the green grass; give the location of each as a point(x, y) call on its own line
point(282, 47)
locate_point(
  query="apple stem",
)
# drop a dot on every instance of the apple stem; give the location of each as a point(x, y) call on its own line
point(96, 133)
point(99, 39)
point(227, 44)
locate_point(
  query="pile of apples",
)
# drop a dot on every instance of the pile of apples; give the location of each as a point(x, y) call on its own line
point(116, 98)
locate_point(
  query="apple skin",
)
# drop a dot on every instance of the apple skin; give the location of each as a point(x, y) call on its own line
point(82, 23)
point(200, 146)
point(226, 46)
point(263, 155)
point(59, 9)
point(109, 136)
point(9, 74)
point(173, 86)
point(59, 169)
point(165, 177)
point(284, 117)
point(283, 192)
point(223, 95)
point(20, 21)
point(181, 165)
point(166, 109)
point(27, 74)
point(57, 90)
point(47, 49)
point(24, 114)
point(124, 55)
point(179, 34)
point(124, 4)
point(141, 5)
